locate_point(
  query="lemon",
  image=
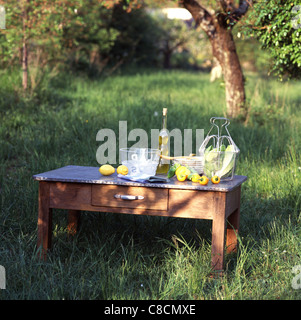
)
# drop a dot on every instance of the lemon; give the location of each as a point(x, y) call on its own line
point(106, 170)
point(183, 170)
point(180, 169)
point(123, 170)
point(194, 177)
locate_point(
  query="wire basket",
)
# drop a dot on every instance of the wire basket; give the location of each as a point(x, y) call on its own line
point(219, 152)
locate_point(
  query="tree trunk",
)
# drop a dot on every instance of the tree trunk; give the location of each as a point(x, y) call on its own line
point(224, 50)
point(167, 57)
point(24, 51)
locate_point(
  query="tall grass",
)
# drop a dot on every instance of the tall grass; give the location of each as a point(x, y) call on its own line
point(130, 257)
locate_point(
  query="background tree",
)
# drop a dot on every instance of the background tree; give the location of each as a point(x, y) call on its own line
point(136, 42)
point(173, 35)
point(32, 32)
point(217, 19)
point(42, 33)
point(89, 36)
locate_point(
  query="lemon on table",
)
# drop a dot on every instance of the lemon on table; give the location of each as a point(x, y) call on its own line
point(106, 170)
point(180, 169)
point(122, 169)
point(194, 177)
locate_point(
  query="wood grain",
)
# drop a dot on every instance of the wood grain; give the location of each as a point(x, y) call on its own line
point(74, 196)
point(218, 231)
point(196, 204)
point(233, 224)
point(232, 201)
point(154, 199)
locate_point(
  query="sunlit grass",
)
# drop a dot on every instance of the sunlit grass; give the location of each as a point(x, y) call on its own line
point(129, 257)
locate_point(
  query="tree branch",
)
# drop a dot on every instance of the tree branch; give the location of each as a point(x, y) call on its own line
point(201, 16)
point(241, 10)
point(231, 14)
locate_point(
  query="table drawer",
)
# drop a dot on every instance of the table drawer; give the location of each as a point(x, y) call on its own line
point(110, 196)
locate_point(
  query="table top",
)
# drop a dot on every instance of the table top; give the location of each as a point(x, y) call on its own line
point(82, 174)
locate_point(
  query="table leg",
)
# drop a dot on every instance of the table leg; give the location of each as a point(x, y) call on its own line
point(44, 220)
point(73, 221)
point(233, 228)
point(218, 243)
point(218, 234)
point(232, 231)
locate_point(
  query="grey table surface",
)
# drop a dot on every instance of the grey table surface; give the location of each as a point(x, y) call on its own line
point(83, 174)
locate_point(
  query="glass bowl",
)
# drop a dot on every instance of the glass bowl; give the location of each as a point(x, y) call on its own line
point(140, 160)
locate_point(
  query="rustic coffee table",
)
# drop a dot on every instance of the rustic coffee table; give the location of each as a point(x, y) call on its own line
point(79, 188)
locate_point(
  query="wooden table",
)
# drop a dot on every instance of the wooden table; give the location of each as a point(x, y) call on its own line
point(79, 188)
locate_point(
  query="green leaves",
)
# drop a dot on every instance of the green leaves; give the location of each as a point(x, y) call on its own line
point(55, 32)
point(277, 26)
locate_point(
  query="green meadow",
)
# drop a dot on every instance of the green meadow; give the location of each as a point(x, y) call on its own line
point(116, 256)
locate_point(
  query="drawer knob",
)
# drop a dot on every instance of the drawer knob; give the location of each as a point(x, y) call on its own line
point(128, 197)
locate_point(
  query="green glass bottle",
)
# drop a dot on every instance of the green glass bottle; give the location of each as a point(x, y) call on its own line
point(163, 145)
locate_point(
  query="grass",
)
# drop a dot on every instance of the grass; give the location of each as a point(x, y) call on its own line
point(131, 257)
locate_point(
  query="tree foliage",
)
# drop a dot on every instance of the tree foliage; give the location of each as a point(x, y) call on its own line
point(89, 35)
point(44, 21)
point(277, 25)
point(137, 38)
point(93, 36)
point(54, 32)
